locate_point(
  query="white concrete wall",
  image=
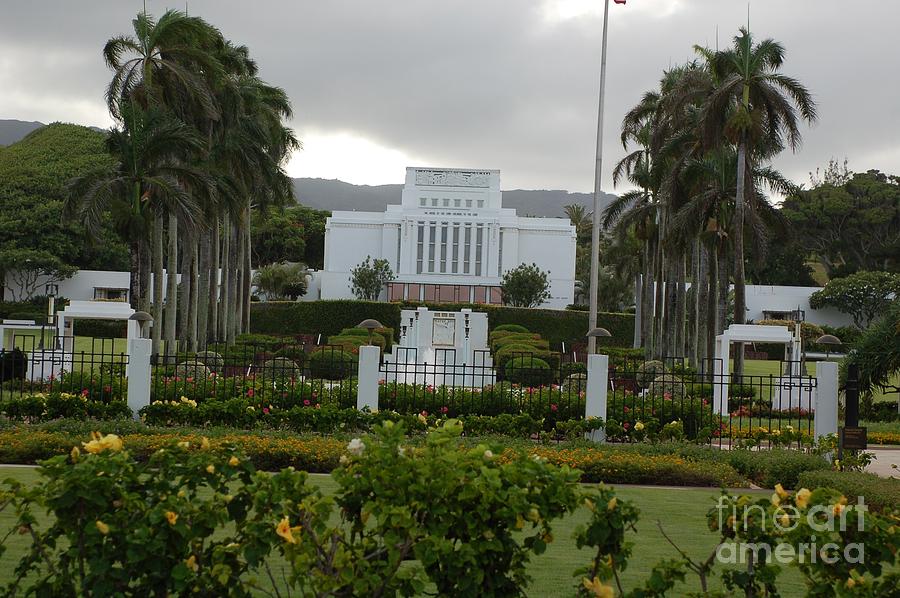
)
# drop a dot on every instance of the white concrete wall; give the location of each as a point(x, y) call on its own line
point(784, 298)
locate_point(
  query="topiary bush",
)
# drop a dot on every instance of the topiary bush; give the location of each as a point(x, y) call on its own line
point(282, 368)
point(510, 328)
point(575, 382)
point(666, 385)
point(192, 368)
point(332, 364)
point(211, 359)
point(528, 371)
point(648, 372)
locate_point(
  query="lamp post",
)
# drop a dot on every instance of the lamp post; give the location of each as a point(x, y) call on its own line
point(144, 321)
point(595, 333)
point(598, 170)
point(51, 291)
point(371, 325)
point(829, 340)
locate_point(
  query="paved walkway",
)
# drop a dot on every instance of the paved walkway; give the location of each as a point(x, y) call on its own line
point(885, 458)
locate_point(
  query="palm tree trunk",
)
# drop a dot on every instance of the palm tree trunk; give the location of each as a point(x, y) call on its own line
point(712, 303)
point(233, 266)
point(203, 280)
point(195, 298)
point(185, 287)
point(659, 309)
point(224, 301)
point(724, 286)
point(157, 282)
point(212, 332)
point(172, 286)
point(691, 337)
point(134, 282)
point(248, 273)
point(740, 300)
point(239, 265)
point(702, 304)
point(672, 306)
point(681, 308)
point(649, 294)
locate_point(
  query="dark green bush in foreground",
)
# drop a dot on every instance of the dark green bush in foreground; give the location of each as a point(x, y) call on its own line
point(880, 493)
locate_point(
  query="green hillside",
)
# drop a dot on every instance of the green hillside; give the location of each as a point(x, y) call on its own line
point(33, 177)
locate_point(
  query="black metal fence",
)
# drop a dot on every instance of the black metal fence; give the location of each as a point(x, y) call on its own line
point(89, 368)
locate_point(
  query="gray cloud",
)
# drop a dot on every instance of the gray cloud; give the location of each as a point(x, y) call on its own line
point(483, 83)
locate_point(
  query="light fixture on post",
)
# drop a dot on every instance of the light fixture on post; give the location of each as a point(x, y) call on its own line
point(829, 340)
point(596, 333)
point(371, 325)
point(144, 321)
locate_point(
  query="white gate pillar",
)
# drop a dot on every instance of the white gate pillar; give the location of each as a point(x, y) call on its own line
point(596, 395)
point(825, 419)
point(137, 372)
point(367, 384)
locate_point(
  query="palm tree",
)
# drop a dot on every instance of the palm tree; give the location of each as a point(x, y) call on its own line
point(153, 154)
point(755, 108)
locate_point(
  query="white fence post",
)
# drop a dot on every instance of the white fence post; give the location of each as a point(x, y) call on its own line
point(138, 373)
point(595, 397)
point(367, 385)
point(826, 416)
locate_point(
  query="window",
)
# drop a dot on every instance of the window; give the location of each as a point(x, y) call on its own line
point(479, 241)
point(468, 203)
point(457, 203)
point(455, 255)
point(432, 236)
point(468, 248)
point(420, 247)
point(444, 248)
point(434, 201)
point(423, 201)
point(395, 291)
point(446, 202)
point(480, 203)
point(110, 294)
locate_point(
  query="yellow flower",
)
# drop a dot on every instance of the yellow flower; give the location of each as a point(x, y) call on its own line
point(75, 454)
point(234, 461)
point(184, 445)
point(776, 500)
point(598, 588)
point(639, 426)
point(204, 443)
point(837, 509)
point(171, 517)
point(802, 498)
point(102, 527)
point(191, 563)
point(851, 582)
point(779, 489)
point(283, 529)
point(102, 443)
point(784, 520)
point(520, 523)
point(210, 468)
point(589, 504)
point(611, 505)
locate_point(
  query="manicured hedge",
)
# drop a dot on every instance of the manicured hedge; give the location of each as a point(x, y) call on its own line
point(879, 493)
point(329, 317)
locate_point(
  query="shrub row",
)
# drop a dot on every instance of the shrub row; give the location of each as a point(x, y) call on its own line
point(329, 317)
point(879, 493)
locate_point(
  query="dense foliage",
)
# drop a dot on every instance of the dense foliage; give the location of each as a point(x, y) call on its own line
point(862, 295)
point(526, 285)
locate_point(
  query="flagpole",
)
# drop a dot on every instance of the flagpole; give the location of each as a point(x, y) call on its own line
point(598, 170)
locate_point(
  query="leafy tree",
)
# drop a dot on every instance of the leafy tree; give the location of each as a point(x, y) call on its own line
point(369, 277)
point(849, 224)
point(29, 269)
point(877, 353)
point(290, 235)
point(281, 281)
point(581, 219)
point(784, 264)
point(862, 296)
point(525, 286)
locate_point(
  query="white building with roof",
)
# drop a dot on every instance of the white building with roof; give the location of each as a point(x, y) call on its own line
point(449, 240)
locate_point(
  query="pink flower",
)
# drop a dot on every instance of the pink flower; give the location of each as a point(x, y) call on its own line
point(212, 374)
point(444, 409)
point(265, 410)
point(189, 379)
point(424, 413)
point(626, 425)
point(250, 392)
point(667, 396)
point(306, 402)
point(84, 392)
point(626, 409)
point(314, 396)
point(553, 407)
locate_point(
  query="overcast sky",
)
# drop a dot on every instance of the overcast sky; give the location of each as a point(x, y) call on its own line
point(378, 85)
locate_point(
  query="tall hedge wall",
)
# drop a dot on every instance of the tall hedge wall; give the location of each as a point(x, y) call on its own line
point(329, 317)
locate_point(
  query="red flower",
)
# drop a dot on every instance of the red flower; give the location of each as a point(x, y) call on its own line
point(626, 425)
point(265, 410)
point(444, 409)
point(626, 409)
point(306, 402)
point(250, 392)
point(424, 413)
point(553, 407)
point(189, 379)
point(84, 392)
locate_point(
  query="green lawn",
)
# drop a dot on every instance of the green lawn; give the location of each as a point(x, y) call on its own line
point(682, 511)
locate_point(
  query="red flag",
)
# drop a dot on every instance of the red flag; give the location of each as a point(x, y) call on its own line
point(619, 1)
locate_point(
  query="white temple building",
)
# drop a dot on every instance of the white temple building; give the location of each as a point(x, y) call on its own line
point(449, 240)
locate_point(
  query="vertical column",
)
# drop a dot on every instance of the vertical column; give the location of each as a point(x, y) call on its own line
point(472, 246)
point(429, 246)
point(595, 397)
point(138, 373)
point(367, 387)
point(826, 416)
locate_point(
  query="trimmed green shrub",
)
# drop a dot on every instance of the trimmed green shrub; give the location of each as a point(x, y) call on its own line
point(192, 368)
point(281, 368)
point(648, 372)
point(775, 466)
point(879, 493)
point(510, 328)
point(262, 342)
point(331, 364)
point(575, 382)
point(520, 339)
point(293, 352)
point(528, 371)
point(667, 384)
point(330, 317)
point(351, 342)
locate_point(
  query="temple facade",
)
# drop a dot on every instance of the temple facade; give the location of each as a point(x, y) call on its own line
point(449, 240)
